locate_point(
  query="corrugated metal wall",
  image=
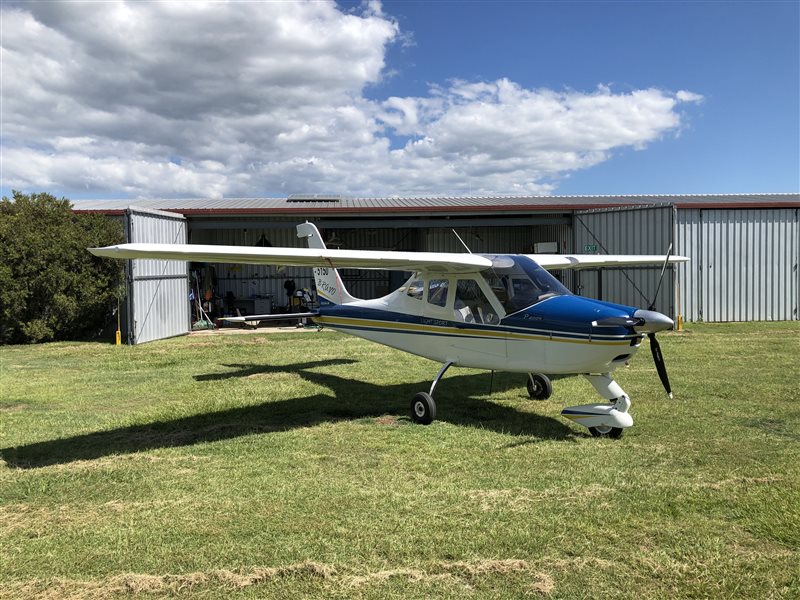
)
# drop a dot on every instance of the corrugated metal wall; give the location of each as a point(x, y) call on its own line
point(251, 281)
point(744, 264)
point(373, 283)
point(158, 304)
point(626, 231)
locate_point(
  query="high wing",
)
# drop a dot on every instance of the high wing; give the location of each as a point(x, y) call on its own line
point(432, 262)
point(587, 261)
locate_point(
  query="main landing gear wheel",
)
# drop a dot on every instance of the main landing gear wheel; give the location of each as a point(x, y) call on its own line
point(539, 386)
point(606, 431)
point(423, 408)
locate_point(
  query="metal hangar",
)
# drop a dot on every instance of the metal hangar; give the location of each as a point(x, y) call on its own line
point(744, 248)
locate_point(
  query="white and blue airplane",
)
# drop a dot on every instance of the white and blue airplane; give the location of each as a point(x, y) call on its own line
point(501, 312)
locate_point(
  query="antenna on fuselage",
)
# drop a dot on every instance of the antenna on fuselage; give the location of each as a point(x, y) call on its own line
point(462, 241)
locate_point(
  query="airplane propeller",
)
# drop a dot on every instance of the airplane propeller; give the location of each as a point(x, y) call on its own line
point(648, 321)
point(655, 347)
point(661, 367)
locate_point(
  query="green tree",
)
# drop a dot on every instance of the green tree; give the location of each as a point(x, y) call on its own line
point(51, 288)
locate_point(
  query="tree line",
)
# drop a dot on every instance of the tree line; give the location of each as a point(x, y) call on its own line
point(51, 288)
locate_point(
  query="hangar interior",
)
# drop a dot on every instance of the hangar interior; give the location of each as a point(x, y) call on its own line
point(744, 249)
point(246, 281)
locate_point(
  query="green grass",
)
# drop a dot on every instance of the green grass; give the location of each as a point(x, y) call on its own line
point(285, 466)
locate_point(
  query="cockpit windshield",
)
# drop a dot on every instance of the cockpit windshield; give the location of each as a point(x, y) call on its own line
point(518, 282)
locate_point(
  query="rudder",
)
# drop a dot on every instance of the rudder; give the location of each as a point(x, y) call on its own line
point(330, 288)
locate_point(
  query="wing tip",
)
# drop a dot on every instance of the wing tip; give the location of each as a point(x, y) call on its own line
point(105, 251)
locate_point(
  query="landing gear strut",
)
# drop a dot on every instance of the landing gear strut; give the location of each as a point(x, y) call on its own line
point(423, 407)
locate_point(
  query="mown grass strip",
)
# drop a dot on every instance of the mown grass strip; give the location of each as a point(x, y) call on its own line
point(200, 463)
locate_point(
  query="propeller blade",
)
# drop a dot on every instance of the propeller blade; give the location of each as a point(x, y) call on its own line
point(658, 358)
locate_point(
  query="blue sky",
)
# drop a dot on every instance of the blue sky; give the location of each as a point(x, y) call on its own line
point(743, 57)
point(125, 99)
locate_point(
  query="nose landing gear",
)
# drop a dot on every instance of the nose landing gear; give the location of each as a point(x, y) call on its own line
point(603, 420)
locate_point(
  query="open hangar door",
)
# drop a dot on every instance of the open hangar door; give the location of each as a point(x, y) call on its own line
point(372, 283)
point(246, 282)
point(158, 290)
point(484, 235)
point(518, 235)
point(513, 234)
point(639, 230)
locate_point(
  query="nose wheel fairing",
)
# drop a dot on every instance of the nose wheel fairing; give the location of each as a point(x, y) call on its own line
point(600, 416)
point(603, 419)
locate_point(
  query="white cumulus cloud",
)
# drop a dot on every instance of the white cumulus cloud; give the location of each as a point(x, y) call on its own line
point(267, 98)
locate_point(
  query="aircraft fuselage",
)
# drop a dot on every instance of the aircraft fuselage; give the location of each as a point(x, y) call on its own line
point(555, 336)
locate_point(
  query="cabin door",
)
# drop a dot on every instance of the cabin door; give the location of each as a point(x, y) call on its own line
point(461, 311)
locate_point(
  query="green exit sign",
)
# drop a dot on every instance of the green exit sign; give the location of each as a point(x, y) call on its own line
point(590, 248)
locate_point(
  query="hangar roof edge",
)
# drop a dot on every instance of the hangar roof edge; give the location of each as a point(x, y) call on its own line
point(436, 204)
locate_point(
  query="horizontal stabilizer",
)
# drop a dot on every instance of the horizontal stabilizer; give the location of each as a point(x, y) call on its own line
point(270, 317)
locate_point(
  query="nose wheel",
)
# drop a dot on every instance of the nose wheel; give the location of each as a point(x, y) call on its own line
point(605, 431)
point(539, 386)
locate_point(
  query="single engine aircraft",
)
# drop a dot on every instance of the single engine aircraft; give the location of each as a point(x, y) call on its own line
point(500, 312)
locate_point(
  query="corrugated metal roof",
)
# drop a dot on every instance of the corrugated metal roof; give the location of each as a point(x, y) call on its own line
point(438, 204)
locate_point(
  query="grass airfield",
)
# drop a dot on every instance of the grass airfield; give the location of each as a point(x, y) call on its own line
point(286, 466)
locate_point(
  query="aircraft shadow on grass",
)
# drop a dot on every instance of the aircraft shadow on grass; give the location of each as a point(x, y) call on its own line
point(457, 397)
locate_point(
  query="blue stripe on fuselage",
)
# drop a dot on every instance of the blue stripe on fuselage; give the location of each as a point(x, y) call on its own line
point(567, 317)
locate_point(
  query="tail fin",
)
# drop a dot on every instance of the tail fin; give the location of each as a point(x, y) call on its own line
point(330, 288)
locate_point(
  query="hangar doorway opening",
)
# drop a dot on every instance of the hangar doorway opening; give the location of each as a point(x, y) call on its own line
point(254, 288)
point(549, 237)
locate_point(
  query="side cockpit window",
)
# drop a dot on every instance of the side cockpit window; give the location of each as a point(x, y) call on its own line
point(437, 292)
point(471, 304)
point(518, 282)
point(415, 289)
point(514, 293)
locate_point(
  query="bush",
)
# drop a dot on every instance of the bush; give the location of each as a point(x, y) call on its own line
point(51, 288)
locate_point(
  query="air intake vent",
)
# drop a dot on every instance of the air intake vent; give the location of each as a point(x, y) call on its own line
point(313, 198)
